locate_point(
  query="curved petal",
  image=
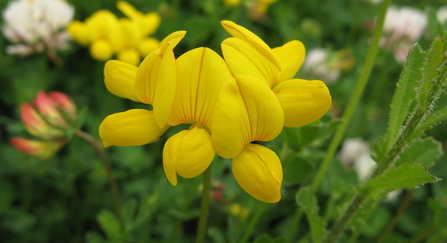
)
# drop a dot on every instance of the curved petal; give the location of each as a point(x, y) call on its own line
point(130, 128)
point(258, 171)
point(241, 32)
point(187, 153)
point(119, 78)
point(247, 58)
point(291, 56)
point(174, 38)
point(303, 101)
point(245, 111)
point(201, 73)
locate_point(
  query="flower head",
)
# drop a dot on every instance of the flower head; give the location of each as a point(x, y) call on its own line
point(229, 103)
point(107, 35)
point(36, 26)
point(403, 26)
point(49, 118)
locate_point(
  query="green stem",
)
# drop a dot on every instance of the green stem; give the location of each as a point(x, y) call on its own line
point(403, 206)
point(201, 230)
point(358, 91)
point(253, 223)
point(116, 195)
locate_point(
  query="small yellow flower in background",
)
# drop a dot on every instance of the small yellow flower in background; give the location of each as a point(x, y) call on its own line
point(250, 96)
point(49, 118)
point(36, 26)
point(127, 38)
point(231, 3)
point(238, 211)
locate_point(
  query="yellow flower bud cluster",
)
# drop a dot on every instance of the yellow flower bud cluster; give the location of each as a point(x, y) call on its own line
point(127, 38)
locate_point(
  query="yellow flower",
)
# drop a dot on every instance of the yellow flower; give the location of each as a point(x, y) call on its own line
point(127, 38)
point(303, 101)
point(138, 126)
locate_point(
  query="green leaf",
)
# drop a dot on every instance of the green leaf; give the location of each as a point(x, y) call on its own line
point(111, 226)
point(129, 210)
point(216, 234)
point(363, 214)
point(404, 94)
point(263, 239)
point(296, 169)
point(307, 200)
point(435, 57)
point(434, 118)
point(424, 151)
point(405, 176)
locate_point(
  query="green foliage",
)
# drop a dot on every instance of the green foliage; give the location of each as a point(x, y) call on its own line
point(307, 200)
point(407, 175)
point(424, 151)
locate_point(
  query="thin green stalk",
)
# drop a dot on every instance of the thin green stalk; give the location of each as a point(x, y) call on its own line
point(357, 94)
point(201, 230)
point(253, 222)
point(116, 195)
point(403, 206)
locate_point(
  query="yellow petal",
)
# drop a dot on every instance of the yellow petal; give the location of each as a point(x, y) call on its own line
point(187, 153)
point(101, 50)
point(303, 101)
point(79, 32)
point(258, 171)
point(119, 78)
point(174, 38)
point(128, 9)
point(147, 45)
point(158, 70)
point(129, 55)
point(241, 32)
point(248, 58)
point(130, 128)
point(291, 56)
point(245, 111)
point(150, 23)
point(201, 73)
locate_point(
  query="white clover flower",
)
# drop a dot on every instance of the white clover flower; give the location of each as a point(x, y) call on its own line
point(403, 26)
point(351, 150)
point(35, 26)
point(317, 64)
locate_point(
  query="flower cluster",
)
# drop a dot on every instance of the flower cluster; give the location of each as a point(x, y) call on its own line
point(128, 38)
point(36, 26)
point(48, 118)
point(403, 26)
point(231, 102)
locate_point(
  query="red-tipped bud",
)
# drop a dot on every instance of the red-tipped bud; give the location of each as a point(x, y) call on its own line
point(39, 149)
point(47, 108)
point(64, 103)
point(36, 125)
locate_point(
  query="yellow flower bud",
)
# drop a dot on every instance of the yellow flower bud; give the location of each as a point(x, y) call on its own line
point(101, 50)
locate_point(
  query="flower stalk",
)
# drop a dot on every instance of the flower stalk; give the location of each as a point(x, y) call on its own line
point(205, 203)
point(112, 181)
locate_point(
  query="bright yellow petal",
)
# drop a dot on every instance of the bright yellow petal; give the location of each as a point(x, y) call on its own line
point(174, 38)
point(245, 111)
point(150, 23)
point(119, 78)
point(291, 56)
point(201, 73)
point(130, 56)
point(128, 9)
point(187, 153)
point(303, 101)
point(258, 171)
point(130, 128)
point(247, 58)
point(241, 32)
